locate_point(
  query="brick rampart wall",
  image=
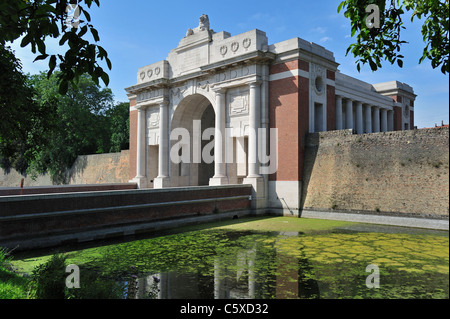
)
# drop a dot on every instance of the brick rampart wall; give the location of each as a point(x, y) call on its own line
point(404, 172)
point(25, 218)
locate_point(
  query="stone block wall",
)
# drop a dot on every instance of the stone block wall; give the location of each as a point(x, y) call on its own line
point(402, 172)
point(100, 169)
point(87, 169)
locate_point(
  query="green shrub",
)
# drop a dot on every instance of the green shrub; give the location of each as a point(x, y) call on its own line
point(49, 282)
point(49, 278)
point(12, 286)
point(94, 287)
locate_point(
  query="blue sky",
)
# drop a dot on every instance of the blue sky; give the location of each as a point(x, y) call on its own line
point(137, 33)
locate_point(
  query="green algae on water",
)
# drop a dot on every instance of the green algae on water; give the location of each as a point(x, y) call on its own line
point(278, 258)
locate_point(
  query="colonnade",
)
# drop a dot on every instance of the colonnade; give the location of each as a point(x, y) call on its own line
point(362, 117)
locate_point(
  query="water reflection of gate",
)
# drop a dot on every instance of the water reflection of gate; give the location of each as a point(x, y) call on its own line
point(255, 273)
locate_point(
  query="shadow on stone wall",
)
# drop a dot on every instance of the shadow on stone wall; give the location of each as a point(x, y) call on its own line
point(87, 169)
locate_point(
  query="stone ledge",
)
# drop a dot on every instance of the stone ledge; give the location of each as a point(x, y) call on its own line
point(404, 221)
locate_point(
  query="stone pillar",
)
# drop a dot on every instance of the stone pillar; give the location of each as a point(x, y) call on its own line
point(376, 119)
point(390, 119)
point(368, 119)
point(140, 178)
point(339, 125)
point(220, 177)
point(349, 114)
point(384, 120)
point(254, 123)
point(253, 177)
point(162, 180)
point(359, 118)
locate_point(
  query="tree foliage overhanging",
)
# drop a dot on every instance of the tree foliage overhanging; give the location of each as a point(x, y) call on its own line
point(50, 118)
point(36, 20)
point(375, 44)
point(83, 121)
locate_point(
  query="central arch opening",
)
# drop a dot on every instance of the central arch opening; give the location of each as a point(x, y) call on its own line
point(194, 117)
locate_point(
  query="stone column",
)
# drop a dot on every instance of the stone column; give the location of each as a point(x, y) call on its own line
point(359, 118)
point(368, 119)
point(339, 125)
point(253, 177)
point(376, 119)
point(390, 119)
point(220, 176)
point(162, 180)
point(349, 114)
point(384, 120)
point(254, 123)
point(140, 178)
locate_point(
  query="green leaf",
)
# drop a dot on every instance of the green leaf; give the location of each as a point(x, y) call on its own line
point(26, 39)
point(87, 15)
point(108, 62)
point(340, 6)
point(83, 31)
point(373, 65)
point(400, 63)
point(51, 65)
point(105, 78)
point(41, 57)
point(63, 87)
point(95, 34)
point(64, 38)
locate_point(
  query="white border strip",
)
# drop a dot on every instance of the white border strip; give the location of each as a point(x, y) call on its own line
point(288, 74)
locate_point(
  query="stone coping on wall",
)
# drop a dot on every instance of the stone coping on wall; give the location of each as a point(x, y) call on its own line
point(381, 219)
point(60, 189)
point(117, 192)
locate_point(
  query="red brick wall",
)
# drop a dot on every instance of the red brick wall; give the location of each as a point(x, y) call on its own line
point(133, 139)
point(288, 111)
point(331, 75)
point(331, 108)
point(331, 103)
point(397, 118)
point(303, 118)
point(397, 98)
point(27, 217)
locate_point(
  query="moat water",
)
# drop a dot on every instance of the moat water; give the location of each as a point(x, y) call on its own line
point(247, 259)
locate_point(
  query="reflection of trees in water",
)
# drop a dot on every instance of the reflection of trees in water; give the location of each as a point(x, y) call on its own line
point(247, 270)
point(307, 286)
point(228, 264)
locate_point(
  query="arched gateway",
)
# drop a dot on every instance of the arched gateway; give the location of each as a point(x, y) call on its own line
point(224, 109)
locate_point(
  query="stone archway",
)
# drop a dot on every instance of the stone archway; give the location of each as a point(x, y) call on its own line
point(192, 116)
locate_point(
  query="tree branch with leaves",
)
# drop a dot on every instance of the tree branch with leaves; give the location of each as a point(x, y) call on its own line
point(375, 44)
point(36, 20)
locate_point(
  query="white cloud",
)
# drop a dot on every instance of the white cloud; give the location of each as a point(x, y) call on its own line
point(319, 30)
point(325, 39)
